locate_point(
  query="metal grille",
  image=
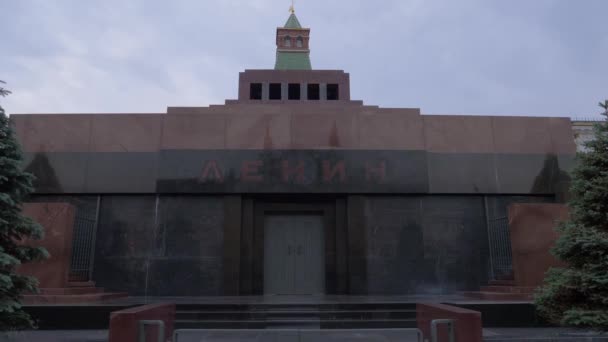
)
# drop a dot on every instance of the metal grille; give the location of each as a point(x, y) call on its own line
point(83, 246)
point(500, 247)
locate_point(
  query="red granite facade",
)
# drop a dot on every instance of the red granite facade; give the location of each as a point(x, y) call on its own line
point(409, 202)
point(467, 323)
point(125, 324)
point(58, 222)
point(533, 235)
point(293, 126)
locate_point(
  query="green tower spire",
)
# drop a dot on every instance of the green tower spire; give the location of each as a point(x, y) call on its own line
point(293, 22)
point(293, 51)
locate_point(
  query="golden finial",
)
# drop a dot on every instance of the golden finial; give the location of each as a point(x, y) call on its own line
point(292, 8)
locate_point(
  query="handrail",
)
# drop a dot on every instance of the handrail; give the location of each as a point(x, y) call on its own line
point(142, 330)
point(436, 323)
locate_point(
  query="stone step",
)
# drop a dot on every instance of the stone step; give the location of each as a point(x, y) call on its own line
point(499, 296)
point(501, 282)
point(71, 291)
point(81, 284)
point(507, 289)
point(298, 307)
point(301, 316)
point(288, 323)
point(269, 314)
point(71, 299)
point(76, 316)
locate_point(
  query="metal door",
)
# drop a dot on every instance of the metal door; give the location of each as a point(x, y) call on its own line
point(310, 255)
point(293, 255)
point(279, 261)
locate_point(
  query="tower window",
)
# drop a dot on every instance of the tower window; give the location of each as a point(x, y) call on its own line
point(293, 91)
point(333, 92)
point(255, 91)
point(314, 92)
point(287, 41)
point(299, 42)
point(275, 91)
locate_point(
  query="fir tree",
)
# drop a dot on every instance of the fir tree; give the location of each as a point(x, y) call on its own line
point(15, 228)
point(577, 295)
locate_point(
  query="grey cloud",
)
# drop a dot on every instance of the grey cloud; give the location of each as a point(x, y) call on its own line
point(521, 57)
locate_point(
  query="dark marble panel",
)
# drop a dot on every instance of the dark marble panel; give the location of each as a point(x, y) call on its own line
point(127, 227)
point(247, 249)
point(185, 277)
point(121, 274)
point(394, 244)
point(566, 164)
point(341, 246)
point(119, 172)
point(461, 173)
point(232, 228)
point(358, 276)
point(191, 226)
point(301, 171)
point(426, 244)
point(166, 246)
point(62, 172)
point(455, 244)
point(563, 178)
point(357, 245)
point(527, 173)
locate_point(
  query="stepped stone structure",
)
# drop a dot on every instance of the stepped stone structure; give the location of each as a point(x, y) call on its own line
point(293, 188)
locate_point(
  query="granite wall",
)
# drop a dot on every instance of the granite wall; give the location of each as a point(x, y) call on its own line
point(426, 245)
point(238, 148)
point(430, 244)
point(177, 244)
point(389, 171)
point(57, 219)
point(85, 207)
point(533, 235)
point(159, 246)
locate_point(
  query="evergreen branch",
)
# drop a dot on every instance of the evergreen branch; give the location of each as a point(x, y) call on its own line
point(4, 92)
point(16, 230)
point(577, 294)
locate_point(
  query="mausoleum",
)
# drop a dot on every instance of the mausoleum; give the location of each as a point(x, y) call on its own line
point(293, 188)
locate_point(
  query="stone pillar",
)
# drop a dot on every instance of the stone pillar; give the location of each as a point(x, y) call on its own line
point(284, 91)
point(323, 91)
point(265, 91)
point(304, 91)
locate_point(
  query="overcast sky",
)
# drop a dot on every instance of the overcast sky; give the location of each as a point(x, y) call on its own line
point(506, 57)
